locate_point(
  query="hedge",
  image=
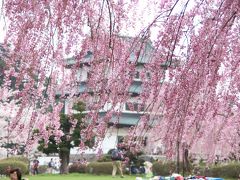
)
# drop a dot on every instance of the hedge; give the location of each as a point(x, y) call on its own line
point(100, 168)
point(16, 158)
point(42, 169)
point(231, 170)
point(164, 168)
point(105, 158)
point(5, 164)
point(77, 168)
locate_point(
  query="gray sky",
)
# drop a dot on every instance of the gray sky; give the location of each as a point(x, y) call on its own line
point(2, 25)
point(145, 12)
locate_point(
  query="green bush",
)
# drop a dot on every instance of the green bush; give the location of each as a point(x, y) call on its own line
point(105, 158)
point(102, 168)
point(5, 164)
point(42, 169)
point(231, 170)
point(77, 168)
point(99, 168)
point(16, 158)
point(138, 162)
point(164, 168)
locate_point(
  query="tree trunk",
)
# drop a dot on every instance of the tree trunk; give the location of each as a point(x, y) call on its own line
point(186, 160)
point(183, 161)
point(178, 157)
point(64, 159)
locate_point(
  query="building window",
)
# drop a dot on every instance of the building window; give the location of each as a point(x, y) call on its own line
point(134, 107)
point(141, 140)
point(137, 75)
point(148, 76)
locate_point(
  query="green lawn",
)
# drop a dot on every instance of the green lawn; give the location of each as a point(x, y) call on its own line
point(78, 177)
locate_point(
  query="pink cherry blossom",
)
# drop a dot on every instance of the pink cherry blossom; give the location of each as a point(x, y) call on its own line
point(188, 55)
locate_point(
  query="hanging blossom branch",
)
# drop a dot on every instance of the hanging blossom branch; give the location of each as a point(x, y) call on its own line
point(191, 55)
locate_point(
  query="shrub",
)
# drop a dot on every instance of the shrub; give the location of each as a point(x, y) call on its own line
point(105, 158)
point(16, 158)
point(99, 168)
point(231, 170)
point(164, 168)
point(5, 164)
point(77, 168)
point(102, 168)
point(42, 169)
point(138, 162)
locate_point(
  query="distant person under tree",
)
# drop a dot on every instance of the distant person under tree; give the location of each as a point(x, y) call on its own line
point(117, 158)
point(50, 166)
point(35, 166)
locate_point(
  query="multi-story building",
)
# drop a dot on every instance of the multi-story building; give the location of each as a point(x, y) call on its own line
point(129, 115)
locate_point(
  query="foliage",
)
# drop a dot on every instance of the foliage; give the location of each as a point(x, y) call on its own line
point(74, 176)
point(163, 169)
point(136, 161)
point(234, 156)
point(99, 168)
point(12, 146)
point(77, 168)
point(70, 125)
point(5, 164)
point(166, 168)
point(42, 169)
point(2, 65)
point(68, 137)
point(193, 61)
point(134, 158)
point(16, 158)
point(202, 163)
point(105, 158)
point(4, 51)
point(231, 170)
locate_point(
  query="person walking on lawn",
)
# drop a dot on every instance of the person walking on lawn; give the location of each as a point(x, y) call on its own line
point(117, 158)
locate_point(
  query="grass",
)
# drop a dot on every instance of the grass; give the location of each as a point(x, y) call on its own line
point(80, 176)
point(77, 177)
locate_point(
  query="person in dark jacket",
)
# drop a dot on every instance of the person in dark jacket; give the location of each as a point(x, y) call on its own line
point(117, 158)
point(35, 166)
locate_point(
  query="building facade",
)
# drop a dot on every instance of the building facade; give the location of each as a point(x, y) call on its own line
point(131, 111)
